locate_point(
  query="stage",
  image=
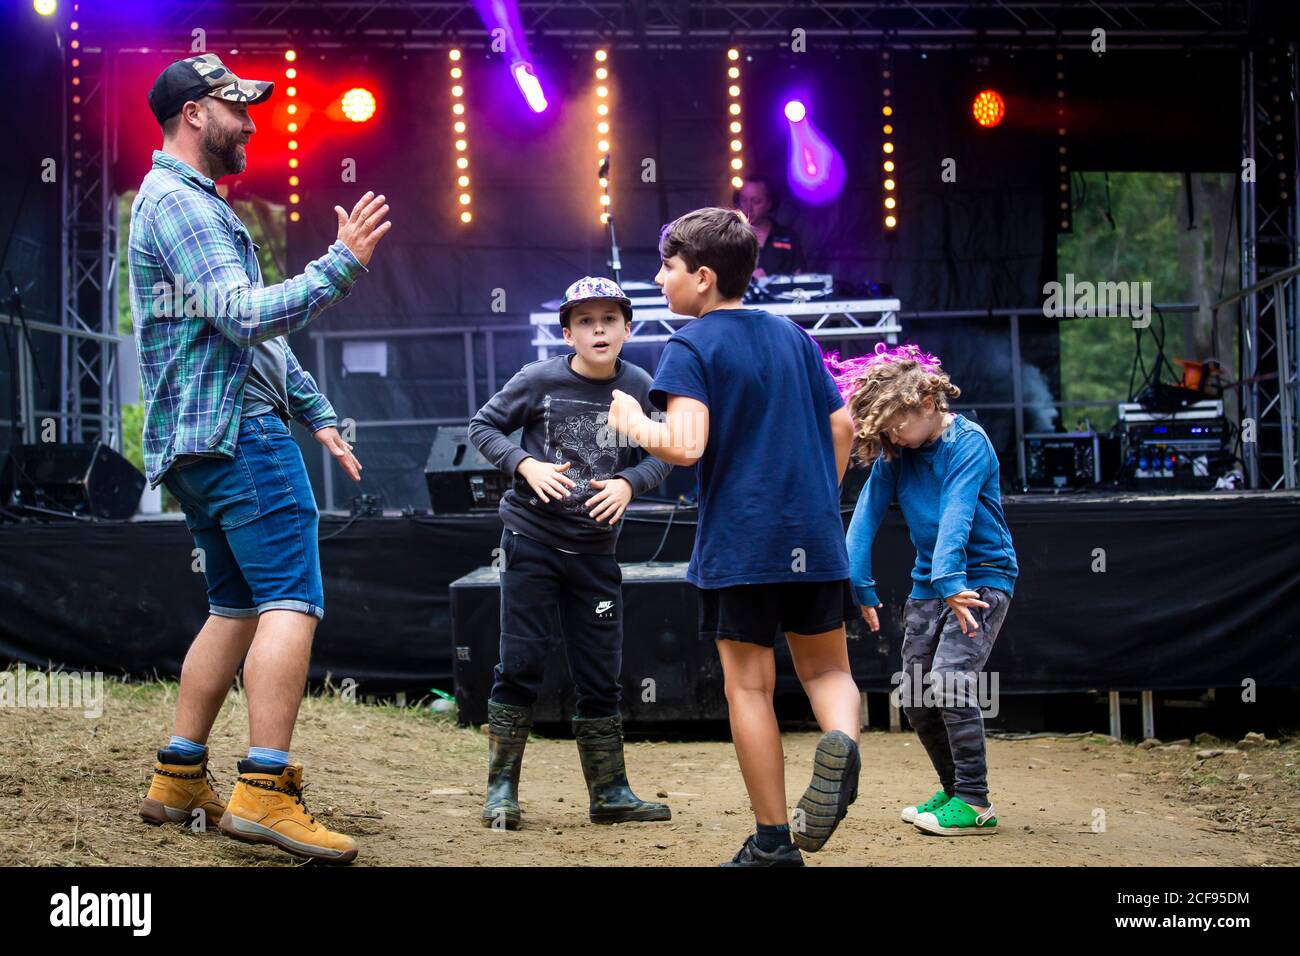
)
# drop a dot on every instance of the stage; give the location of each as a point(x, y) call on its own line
point(513, 199)
point(1213, 611)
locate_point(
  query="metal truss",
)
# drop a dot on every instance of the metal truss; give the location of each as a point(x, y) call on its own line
point(1269, 372)
point(1269, 212)
point(88, 401)
point(899, 24)
point(829, 319)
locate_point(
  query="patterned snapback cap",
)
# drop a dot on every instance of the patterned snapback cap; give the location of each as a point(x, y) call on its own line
point(199, 76)
point(595, 287)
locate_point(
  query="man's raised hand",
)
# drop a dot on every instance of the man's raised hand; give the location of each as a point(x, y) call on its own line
point(361, 230)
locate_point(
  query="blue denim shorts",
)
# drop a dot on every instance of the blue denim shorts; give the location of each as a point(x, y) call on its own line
point(254, 518)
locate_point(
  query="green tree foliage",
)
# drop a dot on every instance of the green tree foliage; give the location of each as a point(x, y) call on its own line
point(1140, 233)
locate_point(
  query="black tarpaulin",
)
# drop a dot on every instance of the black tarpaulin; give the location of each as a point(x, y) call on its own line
point(1198, 591)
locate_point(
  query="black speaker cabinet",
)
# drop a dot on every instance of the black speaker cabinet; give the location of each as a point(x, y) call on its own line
point(1062, 460)
point(461, 481)
point(679, 485)
point(855, 478)
point(87, 479)
point(669, 674)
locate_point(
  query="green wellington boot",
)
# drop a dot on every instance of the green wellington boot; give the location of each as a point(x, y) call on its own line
point(600, 745)
point(508, 728)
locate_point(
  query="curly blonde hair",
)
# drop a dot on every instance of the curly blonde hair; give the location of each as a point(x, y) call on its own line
point(880, 386)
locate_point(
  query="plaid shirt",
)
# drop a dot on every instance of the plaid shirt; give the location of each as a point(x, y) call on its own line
point(198, 306)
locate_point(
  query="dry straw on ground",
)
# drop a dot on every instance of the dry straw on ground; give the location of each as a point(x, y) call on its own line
point(409, 784)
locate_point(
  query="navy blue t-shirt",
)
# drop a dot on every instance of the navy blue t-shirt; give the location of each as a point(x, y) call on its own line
point(769, 491)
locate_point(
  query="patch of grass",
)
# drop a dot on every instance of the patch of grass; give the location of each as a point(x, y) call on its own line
point(70, 785)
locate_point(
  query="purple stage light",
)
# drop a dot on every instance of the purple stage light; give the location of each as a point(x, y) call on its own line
point(816, 169)
point(529, 85)
point(501, 18)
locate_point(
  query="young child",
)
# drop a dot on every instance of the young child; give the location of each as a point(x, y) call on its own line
point(573, 481)
point(942, 470)
point(750, 403)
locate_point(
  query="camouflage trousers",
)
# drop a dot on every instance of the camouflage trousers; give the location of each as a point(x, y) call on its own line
point(939, 690)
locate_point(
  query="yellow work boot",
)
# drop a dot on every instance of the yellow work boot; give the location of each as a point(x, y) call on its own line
point(178, 789)
point(268, 808)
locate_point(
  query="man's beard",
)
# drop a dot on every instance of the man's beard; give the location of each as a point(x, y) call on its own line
point(224, 149)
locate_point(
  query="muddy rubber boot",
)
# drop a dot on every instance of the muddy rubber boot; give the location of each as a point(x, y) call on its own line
point(600, 746)
point(508, 728)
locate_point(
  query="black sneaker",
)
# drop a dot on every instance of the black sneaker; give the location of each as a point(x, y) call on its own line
point(751, 855)
point(833, 787)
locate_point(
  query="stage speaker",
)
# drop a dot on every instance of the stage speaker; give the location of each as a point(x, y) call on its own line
point(680, 485)
point(461, 481)
point(669, 674)
point(88, 479)
point(1062, 460)
point(855, 479)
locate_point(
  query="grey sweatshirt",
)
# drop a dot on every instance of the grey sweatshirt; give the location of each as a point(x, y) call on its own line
point(563, 415)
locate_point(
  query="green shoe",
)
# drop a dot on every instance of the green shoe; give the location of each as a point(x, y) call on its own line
point(958, 818)
point(934, 803)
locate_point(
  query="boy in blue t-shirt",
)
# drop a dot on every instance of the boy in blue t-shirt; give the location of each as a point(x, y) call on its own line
point(751, 405)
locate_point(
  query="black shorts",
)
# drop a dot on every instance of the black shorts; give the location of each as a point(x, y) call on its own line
point(754, 613)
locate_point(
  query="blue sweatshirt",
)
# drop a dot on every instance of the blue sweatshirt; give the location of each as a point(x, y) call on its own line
point(948, 492)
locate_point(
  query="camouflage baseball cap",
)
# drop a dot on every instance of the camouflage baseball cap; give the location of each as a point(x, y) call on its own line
point(595, 287)
point(198, 76)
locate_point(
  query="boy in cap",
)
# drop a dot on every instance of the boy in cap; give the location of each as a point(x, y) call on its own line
point(220, 386)
point(573, 479)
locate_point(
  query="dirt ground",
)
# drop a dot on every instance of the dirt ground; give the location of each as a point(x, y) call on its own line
point(409, 786)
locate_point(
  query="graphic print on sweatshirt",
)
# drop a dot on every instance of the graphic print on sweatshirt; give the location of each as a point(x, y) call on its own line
point(578, 432)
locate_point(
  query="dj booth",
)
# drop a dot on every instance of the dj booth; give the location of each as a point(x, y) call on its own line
point(1116, 592)
point(825, 318)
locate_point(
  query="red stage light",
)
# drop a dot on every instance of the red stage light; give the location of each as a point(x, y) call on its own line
point(988, 108)
point(265, 176)
point(358, 104)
